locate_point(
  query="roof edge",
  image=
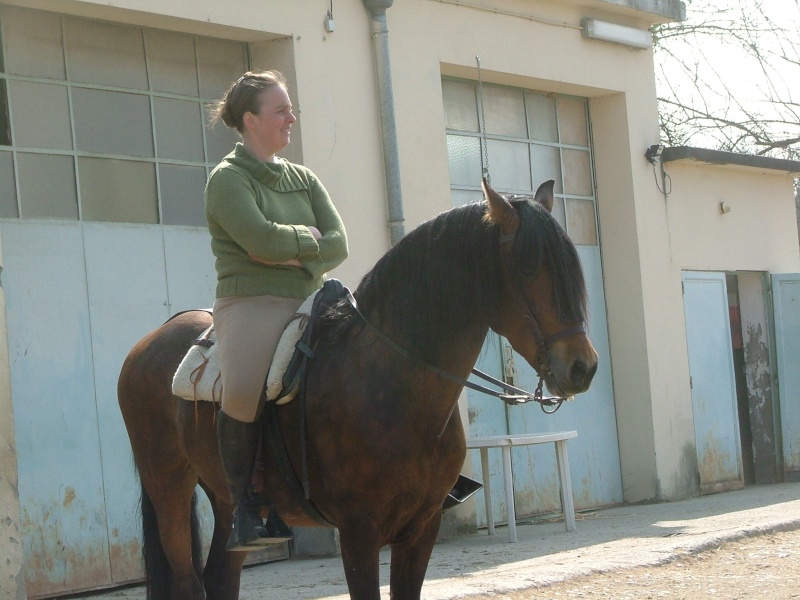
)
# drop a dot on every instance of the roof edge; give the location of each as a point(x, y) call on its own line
point(672, 9)
point(719, 157)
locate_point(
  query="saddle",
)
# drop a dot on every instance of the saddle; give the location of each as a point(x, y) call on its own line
point(198, 375)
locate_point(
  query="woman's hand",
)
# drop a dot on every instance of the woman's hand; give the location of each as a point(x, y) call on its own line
point(288, 263)
point(315, 232)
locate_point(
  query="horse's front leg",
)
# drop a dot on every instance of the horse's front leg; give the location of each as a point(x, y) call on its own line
point(360, 548)
point(410, 560)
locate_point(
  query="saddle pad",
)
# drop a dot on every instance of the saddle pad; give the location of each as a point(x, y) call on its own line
point(198, 375)
point(285, 350)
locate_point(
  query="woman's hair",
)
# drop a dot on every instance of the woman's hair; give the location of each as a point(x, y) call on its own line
point(242, 97)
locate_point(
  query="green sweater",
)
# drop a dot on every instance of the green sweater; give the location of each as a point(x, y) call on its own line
point(264, 209)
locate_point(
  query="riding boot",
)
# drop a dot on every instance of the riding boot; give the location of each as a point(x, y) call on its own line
point(238, 444)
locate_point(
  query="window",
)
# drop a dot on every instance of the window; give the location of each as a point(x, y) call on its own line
point(107, 122)
point(526, 137)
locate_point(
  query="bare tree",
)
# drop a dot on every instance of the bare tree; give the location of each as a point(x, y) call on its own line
point(728, 77)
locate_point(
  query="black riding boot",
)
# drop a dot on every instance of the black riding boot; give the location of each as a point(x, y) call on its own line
point(238, 444)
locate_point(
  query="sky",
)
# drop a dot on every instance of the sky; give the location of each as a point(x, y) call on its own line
point(722, 64)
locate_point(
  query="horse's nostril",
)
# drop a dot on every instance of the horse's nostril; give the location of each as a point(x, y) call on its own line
point(581, 373)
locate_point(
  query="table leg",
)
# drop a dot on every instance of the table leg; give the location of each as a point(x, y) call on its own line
point(567, 504)
point(509, 481)
point(487, 494)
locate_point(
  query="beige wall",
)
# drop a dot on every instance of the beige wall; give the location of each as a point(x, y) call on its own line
point(759, 233)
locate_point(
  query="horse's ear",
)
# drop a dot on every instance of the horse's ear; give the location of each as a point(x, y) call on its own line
point(499, 211)
point(544, 195)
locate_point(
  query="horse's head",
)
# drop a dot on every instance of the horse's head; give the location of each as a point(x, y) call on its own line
point(543, 305)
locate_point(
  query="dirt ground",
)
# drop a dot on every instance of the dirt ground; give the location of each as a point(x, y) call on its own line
point(765, 566)
point(699, 542)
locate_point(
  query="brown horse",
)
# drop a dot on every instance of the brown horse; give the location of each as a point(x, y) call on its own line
point(382, 444)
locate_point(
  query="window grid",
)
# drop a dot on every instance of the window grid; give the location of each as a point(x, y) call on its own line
point(483, 137)
point(15, 150)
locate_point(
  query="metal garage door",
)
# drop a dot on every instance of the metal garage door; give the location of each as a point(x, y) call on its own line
point(79, 295)
point(714, 408)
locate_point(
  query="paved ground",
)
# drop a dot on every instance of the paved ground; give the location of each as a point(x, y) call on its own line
point(606, 540)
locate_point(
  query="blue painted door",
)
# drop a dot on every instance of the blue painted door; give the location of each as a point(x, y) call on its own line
point(594, 454)
point(714, 409)
point(79, 296)
point(64, 520)
point(786, 302)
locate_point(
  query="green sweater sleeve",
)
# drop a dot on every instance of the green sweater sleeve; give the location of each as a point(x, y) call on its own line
point(331, 248)
point(243, 221)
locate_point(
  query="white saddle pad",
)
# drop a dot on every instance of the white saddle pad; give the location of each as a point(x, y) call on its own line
point(198, 375)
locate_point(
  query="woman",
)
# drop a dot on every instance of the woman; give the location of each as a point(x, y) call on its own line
point(274, 233)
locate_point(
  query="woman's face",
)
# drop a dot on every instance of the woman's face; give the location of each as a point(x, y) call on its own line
point(271, 127)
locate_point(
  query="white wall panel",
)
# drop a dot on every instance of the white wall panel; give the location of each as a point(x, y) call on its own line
point(127, 299)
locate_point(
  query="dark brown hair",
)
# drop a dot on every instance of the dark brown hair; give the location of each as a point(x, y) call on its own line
point(242, 97)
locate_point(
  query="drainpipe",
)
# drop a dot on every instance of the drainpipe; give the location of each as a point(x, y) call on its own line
point(391, 163)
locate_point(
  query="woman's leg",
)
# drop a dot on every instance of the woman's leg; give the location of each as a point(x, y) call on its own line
point(248, 330)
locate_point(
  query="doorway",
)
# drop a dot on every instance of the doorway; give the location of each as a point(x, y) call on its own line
point(754, 375)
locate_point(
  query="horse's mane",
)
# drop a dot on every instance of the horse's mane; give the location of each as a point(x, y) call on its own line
point(447, 273)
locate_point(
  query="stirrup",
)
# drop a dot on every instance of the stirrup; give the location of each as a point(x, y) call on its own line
point(250, 533)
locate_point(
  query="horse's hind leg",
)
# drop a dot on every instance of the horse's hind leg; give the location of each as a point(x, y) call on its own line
point(173, 507)
point(410, 561)
point(223, 570)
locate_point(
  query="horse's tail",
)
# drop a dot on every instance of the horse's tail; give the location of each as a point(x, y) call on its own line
point(158, 574)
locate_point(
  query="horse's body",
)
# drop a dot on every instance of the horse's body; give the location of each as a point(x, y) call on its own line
point(383, 446)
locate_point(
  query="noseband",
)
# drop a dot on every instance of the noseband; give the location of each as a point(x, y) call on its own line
point(543, 344)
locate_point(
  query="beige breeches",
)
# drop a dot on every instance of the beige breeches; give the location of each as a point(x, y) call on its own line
point(248, 330)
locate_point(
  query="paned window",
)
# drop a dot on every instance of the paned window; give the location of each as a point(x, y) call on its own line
point(107, 122)
point(526, 137)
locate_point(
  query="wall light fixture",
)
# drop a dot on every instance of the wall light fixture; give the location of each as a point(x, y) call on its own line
point(618, 34)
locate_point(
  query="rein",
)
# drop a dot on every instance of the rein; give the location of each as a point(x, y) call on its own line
point(515, 396)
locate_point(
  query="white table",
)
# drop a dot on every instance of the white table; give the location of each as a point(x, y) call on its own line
point(506, 442)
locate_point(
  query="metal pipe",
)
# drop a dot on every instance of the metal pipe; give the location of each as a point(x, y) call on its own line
point(391, 161)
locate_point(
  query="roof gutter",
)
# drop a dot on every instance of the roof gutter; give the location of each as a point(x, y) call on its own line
point(719, 157)
point(391, 162)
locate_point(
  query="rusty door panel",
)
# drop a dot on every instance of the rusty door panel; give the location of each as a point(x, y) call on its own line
point(714, 405)
point(121, 312)
point(786, 304)
point(52, 378)
point(758, 375)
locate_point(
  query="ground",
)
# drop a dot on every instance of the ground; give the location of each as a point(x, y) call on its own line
point(765, 566)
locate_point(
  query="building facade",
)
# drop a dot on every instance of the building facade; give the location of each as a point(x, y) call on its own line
point(105, 147)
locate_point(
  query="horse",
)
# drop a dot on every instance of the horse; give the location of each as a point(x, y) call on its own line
point(382, 446)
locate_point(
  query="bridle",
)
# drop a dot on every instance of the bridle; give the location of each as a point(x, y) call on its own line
point(512, 395)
